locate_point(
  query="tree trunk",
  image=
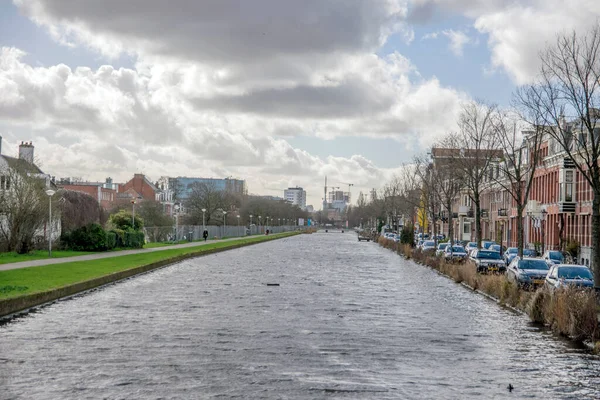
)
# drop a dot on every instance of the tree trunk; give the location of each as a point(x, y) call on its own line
point(477, 202)
point(450, 227)
point(596, 237)
point(520, 231)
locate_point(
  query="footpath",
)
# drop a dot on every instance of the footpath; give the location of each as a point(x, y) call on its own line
point(110, 254)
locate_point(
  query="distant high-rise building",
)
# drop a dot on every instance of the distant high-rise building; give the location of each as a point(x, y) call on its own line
point(296, 196)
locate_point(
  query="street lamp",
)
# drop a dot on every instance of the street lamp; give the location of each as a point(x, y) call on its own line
point(133, 213)
point(251, 224)
point(544, 213)
point(259, 222)
point(176, 208)
point(50, 193)
point(203, 220)
point(224, 222)
point(238, 218)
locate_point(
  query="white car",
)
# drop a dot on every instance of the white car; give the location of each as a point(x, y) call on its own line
point(428, 245)
point(441, 249)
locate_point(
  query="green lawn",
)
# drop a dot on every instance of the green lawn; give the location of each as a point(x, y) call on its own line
point(12, 257)
point(21, 281)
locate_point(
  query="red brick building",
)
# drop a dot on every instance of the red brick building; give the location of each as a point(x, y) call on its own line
point(141, 187)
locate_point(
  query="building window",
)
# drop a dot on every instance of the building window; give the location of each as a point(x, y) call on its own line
point(568, 185)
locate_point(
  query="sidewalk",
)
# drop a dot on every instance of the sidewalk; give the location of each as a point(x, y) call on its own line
point(110, 254)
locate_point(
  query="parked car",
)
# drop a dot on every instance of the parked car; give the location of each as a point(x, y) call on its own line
point(553, 257)
point(470, 246)
point(419, 244)
point(527, 272)
point(509, 254)
point(498, 248)
point(455, 253)
point(563, 275)
point(441, 248)
point(488, 261)
point(428, 245)
point(486, 244)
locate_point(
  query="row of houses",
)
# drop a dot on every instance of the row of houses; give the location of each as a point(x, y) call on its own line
point(558, 211)
point(109, 194)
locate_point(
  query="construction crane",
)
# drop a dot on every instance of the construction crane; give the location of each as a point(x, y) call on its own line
point(349, 186)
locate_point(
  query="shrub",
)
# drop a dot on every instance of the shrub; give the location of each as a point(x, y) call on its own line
point(119, 237)
point(91, 237)
point(111, 240)
point(123, 220)
point(134, 239)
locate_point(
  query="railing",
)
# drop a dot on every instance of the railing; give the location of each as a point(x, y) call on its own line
point(503, 212)
point(194, 232)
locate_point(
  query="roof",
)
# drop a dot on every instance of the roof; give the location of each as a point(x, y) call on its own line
point(22, 165)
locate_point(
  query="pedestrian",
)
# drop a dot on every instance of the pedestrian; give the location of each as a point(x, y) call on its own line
point(205, 235)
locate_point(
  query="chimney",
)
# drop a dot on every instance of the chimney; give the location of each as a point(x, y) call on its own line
point(26, 152)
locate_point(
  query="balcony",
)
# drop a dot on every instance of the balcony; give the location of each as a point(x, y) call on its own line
point(464, 210)
point(485, 214)
point(503, 212)
point(567, 207)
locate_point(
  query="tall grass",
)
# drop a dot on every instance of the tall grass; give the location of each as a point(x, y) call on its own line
point(571, 312)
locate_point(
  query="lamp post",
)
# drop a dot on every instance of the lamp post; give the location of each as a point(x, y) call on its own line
point(50, 193)
point(259, 222)
point(238, 218)
point(133, 213)
point(224, 223)
point(203, 220)
point(250, 224)
point(176, 208)
point(544, 213)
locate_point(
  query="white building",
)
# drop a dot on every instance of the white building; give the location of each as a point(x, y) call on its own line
point(296, 196)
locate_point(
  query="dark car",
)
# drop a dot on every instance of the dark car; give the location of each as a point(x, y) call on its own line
point(488, 261)
point(563, 275)
point(510, 253)
point(455, 253)
point(527, 272)
point(553, 257)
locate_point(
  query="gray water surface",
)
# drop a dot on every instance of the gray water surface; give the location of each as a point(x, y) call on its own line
point(349, 320)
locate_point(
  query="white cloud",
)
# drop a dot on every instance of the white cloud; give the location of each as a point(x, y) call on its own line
point(216, 89)
point(458, 40)
point(517, 31)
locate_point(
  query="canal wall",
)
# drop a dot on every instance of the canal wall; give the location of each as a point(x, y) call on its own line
point(15, 305)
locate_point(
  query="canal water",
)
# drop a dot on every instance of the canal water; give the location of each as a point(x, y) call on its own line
point(348, 320)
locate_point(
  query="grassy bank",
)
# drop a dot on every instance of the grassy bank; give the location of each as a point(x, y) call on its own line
point(569, 312)
point(25, 281)
point(13, 257)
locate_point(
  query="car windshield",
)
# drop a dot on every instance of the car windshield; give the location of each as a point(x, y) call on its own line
point(555, 255)
point(457, 249)
point(442, 246)
point(472, 244)
point(495, 247)
point(512, 250)
point(528, 252)
point(574, 273)
point(429, 243)
point(533, 264)
point(489, 255)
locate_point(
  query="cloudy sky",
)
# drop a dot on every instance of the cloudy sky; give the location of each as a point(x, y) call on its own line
point(277, 92)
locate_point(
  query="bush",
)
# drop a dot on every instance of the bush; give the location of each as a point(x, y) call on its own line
point(407, 235)
point(111, 240)
point(119, 237)
point(123, 220)
point(134, 239)
point(91, 237)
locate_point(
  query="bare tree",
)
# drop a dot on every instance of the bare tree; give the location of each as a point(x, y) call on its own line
point(473, 149)
point(205, 196)
point(446, 184)
point(23, 206)
point(518, 165)
point(569, 84)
